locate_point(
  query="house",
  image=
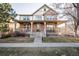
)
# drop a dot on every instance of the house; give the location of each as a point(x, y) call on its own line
point(44, 21)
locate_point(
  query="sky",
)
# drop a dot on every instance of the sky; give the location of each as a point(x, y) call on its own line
point(25, 8)
point(28, 8)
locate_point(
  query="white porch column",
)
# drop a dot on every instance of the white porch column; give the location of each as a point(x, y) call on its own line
point(31, 26)
point(65, 28)
point(45, 27)
point(56, 30)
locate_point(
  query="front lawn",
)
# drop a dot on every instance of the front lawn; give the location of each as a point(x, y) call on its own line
point(60, 39)
point(17, 40)
point(39, 51)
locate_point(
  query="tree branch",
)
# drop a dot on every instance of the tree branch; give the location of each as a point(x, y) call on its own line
point(74, 5)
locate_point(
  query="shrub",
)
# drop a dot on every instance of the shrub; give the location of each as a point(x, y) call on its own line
point(22, 34)
point(17, 33)
point(4, 35)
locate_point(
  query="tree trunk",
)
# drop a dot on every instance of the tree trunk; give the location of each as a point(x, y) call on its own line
point(77, 18)
point(75, 28)
point(0, 34)
point(76, 22)
point(75, 33)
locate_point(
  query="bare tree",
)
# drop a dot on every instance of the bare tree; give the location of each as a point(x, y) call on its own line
point(70, 10)
point(76, 5)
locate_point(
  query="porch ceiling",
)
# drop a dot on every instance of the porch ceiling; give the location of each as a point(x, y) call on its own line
point(41, 21)
point(55, 22)
point(22, 21)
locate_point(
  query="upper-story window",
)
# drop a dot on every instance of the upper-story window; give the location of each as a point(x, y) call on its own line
point(28, 18)
point(25, 17)
point(50, 17)
point(38, 17)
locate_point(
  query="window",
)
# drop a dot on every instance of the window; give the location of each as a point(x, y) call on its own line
point(50, 17)
point(28, 18)
point(25, 17)
point(28, 28)
point(38, 17)
point(44, 9)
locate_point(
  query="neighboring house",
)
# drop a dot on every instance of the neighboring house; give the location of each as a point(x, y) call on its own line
point(43, 20)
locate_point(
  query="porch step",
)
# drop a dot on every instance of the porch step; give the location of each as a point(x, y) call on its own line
point(37, 34)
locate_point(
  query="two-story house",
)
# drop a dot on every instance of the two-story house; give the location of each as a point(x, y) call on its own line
point(43, 20)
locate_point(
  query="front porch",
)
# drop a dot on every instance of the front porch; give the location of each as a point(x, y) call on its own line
point(45, 27)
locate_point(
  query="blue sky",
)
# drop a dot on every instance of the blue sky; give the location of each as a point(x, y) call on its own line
point(26, 8)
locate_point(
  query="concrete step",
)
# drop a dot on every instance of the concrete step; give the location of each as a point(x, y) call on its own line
point(37, 34)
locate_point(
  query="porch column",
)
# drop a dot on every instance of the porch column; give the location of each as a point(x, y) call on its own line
point(44, 27)
point(56, 30)
point(65, 28)
point(31, 26)
point(15, 25)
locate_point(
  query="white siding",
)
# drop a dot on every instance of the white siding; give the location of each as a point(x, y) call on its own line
point(40, 13)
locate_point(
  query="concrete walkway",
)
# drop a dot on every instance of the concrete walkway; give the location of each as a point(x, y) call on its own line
point(38, 40)
point(38, 37)
point(39, 44)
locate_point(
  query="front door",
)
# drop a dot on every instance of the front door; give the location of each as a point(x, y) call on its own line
point(38, 29)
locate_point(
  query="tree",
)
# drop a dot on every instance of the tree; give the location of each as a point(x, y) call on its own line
point(6, 13)
point(74, 14)
point(70, 10)
point(76, 5)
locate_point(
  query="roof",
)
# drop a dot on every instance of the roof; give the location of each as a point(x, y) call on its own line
point(38, 10)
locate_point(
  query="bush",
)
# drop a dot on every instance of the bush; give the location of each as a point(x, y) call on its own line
point(4, 35)
point(17, 33)
point(13, 34)
point(22, 34)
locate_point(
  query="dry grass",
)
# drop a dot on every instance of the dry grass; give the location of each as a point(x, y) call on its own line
point(39, 51)
point(59, 39)
point(17, 40)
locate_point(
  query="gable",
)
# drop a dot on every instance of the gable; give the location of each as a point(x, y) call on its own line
point(41, 10)
point(50, 12)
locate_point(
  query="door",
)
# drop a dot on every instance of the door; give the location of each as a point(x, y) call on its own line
point(38, 27)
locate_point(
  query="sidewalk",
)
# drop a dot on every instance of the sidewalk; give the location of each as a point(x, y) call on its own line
point(39, 44)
